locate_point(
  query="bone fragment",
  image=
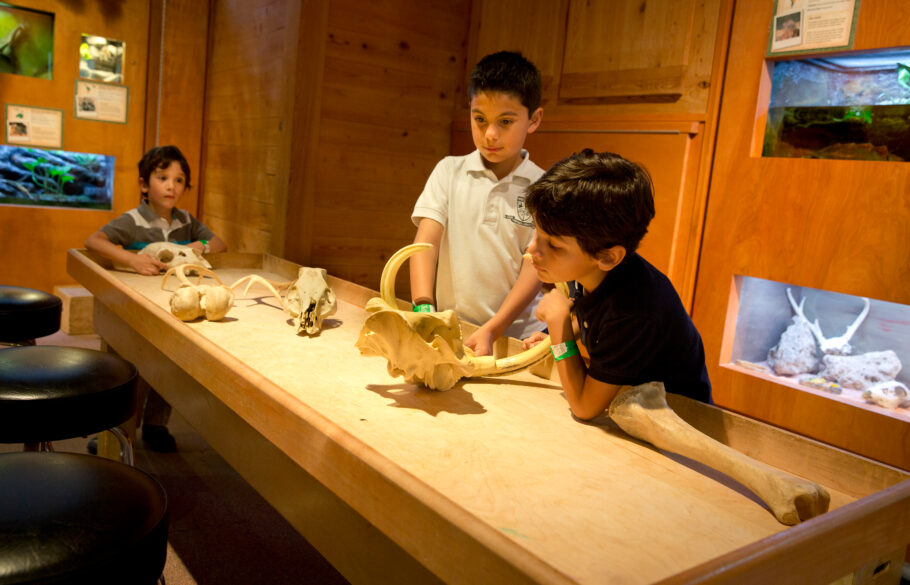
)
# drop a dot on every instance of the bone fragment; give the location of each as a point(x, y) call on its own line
point(642, 412)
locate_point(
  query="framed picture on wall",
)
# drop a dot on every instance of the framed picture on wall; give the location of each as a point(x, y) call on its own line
point(31, 126)
point(101, 102)
point(26, 41)
point(101, 59)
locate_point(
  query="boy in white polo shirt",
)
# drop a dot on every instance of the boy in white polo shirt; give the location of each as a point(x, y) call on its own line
point(472, 211)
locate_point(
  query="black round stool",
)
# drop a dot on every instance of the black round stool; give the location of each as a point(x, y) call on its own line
point(27, 314)
point(49, 393)
point(69, 518)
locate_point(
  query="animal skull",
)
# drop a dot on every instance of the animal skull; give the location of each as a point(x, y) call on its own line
point(890, 394)
point(833, 345)
point(310, 299)
point(175, 254)
point(426, 348)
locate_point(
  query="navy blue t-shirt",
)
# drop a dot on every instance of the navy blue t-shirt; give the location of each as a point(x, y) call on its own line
point(636, 330)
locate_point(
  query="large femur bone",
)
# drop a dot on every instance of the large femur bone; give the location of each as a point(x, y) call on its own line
point(426, 348)
point(642, 412)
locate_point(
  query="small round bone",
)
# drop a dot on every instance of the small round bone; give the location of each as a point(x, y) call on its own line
point(642, 412)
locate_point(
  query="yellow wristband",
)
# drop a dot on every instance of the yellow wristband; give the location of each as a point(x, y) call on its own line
point(564, 350)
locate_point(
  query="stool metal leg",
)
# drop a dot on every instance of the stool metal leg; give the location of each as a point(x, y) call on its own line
point(45, 446)
point(126, 449)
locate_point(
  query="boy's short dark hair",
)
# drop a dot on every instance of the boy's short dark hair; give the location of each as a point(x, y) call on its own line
point(507, 72)
point(600, 199)
point(161, 157)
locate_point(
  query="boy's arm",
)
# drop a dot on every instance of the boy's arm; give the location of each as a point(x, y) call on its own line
point(523, 292)
point(216, 245)
point(423, 264)
point(587, 397)
point(141, 263)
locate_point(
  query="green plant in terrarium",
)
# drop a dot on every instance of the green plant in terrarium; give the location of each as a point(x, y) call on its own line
point(49, 178)
point(91, 162)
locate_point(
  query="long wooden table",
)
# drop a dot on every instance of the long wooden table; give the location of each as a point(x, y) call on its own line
point(490, 482)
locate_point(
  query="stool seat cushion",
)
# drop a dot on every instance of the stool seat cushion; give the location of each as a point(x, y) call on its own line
point(74, 518)
point(49, 393)
point(27, 314)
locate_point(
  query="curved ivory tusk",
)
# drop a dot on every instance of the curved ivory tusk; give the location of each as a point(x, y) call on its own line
point(390, 272)
point(180, 272)
point(483, 365)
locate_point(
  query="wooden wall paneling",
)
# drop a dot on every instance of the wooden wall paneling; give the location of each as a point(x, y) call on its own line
point(310, 51)
point(537, 29)
point(37, 238)
point(828, 224)
point(390, 78)
point(248, 109)
point(178, 47)
point(628, 50)
point(670, 151)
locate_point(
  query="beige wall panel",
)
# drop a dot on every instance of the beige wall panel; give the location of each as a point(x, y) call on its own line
point(827, 224)
point(37, 238)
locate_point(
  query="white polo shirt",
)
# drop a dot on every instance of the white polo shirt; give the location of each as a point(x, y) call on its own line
point(487, 230)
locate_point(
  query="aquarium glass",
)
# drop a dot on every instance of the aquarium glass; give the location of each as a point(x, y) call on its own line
point(853, 107)
point(871, 345)
point(55, 178)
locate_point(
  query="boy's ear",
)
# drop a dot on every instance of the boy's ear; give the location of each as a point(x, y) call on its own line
point(608, 259)
point(536, 118)
point(143, 186)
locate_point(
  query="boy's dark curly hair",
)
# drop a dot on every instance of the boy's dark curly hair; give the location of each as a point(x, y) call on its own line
point(507, 72)
point(161, 157)
point(600, 199)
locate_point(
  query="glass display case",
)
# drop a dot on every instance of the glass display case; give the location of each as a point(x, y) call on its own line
point(843, 347)
point(853, 107)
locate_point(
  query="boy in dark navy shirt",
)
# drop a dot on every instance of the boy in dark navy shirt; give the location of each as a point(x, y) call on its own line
point(591, 211)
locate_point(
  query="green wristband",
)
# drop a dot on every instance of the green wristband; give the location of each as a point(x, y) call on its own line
point(423, 308)
point(564, 350)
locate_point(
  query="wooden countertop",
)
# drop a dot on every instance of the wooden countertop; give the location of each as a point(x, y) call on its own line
point(491, 480)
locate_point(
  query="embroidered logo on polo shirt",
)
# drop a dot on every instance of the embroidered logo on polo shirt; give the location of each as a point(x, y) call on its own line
point(524, 216)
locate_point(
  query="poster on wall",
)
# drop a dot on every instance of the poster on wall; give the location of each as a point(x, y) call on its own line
point(55, 178)
point(101, 102)
point(101, 59)
point(34, 126)
point(812, 26)
point(26, 41)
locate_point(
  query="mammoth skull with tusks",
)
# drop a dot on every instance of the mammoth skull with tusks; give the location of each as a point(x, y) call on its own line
point(310, 299)
point(175, 254)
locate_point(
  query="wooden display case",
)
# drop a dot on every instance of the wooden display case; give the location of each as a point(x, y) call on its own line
point(492, 481)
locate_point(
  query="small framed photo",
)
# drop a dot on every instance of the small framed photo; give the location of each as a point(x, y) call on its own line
point(101, 102)
point(33, 126)
point(101, 59)
point(787, 30)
